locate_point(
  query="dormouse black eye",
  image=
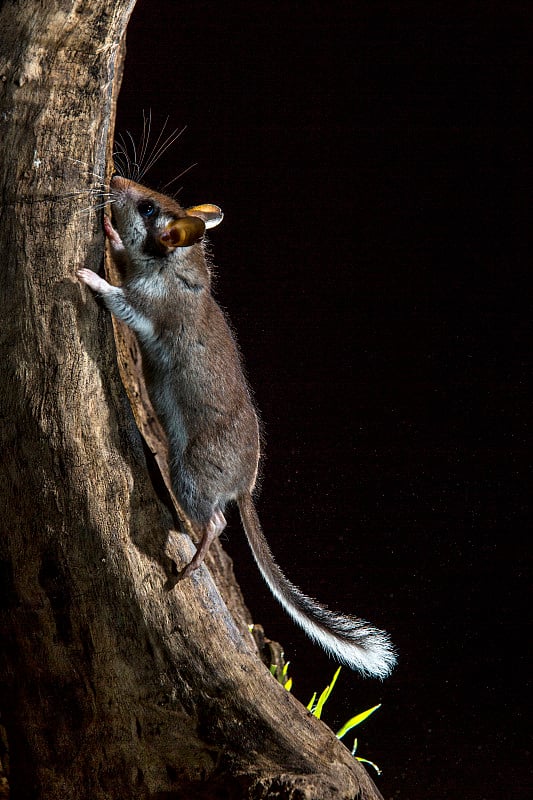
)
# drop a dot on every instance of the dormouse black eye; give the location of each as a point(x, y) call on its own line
point(147, 209)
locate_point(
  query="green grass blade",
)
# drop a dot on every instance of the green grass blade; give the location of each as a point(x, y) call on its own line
point(332, 684)
point(317, 711)
point(366, 761)
point(325, 694)
point(356, 721)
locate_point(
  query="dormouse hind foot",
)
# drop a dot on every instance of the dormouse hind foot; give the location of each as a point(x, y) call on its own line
point(212, 530)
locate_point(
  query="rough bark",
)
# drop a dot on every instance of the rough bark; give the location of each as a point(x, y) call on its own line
point(116, 683)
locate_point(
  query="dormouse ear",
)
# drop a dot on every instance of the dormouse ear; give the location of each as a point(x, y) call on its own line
point(182, 232)
point(211, 215)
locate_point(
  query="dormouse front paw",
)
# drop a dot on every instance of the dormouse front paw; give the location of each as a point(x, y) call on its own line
point(94, 281)
point(113, 235)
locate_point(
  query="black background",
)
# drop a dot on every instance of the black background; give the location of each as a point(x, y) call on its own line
point(372, 160)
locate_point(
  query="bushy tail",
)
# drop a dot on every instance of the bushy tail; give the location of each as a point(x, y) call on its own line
point(350, 640)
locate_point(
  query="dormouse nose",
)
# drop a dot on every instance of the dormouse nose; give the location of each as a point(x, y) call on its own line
point(120, 184)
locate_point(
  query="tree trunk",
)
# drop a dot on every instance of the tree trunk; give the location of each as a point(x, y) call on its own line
point(116, 681)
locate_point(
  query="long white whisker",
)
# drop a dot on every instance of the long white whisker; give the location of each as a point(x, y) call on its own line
point(135, 172)
point(150, 161)
point(169, 141)
point(86, 164)
point(120, 147)
point(96, 207)
point(144, 156)
point(120, 162)
point(183, 172)
point(122, 157)
point(96, 193)
point(147, 130)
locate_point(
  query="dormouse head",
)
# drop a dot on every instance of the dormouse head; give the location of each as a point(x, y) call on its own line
point(155, 224)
